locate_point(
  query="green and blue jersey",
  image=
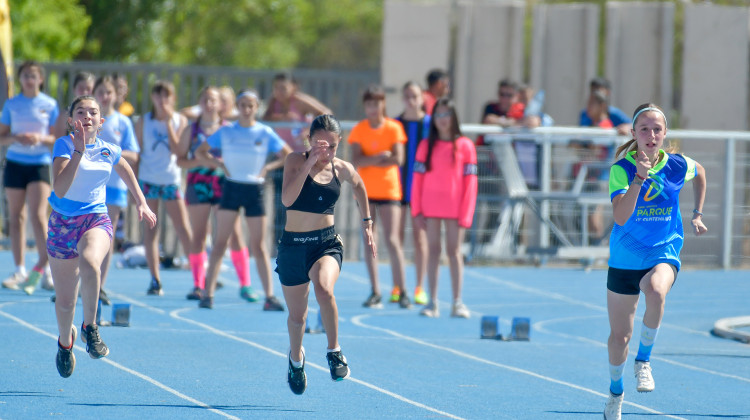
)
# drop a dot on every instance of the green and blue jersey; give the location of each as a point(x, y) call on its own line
point(653, 234)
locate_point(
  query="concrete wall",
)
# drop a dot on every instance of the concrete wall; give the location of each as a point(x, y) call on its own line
point(416, 39)
point(638, 53)
point(489, 48)
point(715, 68)
point(564, 57)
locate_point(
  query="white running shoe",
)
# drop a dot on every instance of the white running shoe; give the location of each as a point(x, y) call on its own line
point(460, 311)
point(613, 409)
point(47, 283)
point(643, 376)
point(430, 310)
point(14, 281)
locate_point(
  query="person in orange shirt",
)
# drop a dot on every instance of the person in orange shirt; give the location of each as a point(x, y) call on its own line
point(377, 144)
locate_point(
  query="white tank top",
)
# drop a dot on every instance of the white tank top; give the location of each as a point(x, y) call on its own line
point(158, 164)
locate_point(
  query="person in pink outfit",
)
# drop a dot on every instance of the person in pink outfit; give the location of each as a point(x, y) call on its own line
point(444, 192)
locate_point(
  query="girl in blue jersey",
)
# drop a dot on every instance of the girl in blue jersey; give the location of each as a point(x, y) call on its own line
point(245, 147)
point(309, 248)
point(645, 242)
point(79, 229)
point(203, 192)
point(27, 126)
point(158, 133)
point(416, 124)
point(118, 130)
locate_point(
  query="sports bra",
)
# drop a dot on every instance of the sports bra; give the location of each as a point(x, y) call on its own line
point(317, 198)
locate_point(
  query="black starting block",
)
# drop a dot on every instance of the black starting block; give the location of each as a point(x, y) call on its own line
point(490, 329)
point(319, 328)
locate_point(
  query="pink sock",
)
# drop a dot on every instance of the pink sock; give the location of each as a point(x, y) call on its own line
point(241, 261)
point(198, 267)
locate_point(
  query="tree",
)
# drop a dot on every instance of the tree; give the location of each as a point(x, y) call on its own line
point(48, 30)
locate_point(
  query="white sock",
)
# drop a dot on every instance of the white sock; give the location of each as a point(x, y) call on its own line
point(21, 269)
point(336, 349)
point(296, 363)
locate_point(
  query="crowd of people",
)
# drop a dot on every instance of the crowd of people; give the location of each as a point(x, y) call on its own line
point(89, 161)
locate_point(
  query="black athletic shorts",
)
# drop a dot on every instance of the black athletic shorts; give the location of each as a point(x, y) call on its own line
point(19, 175)
point(237, 194)
point(298, 251)
point(627, 282)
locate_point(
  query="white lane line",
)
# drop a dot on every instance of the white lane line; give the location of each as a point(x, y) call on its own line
point(177, 315)
point(540, 327)
point(137, 374)
point(566, 299)
point(357, 320)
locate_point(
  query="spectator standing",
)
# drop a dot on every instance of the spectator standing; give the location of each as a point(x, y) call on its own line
point(158, 133)
point(27, 126)
point(445, 193)
point(438, 85)
point(83, 85)
point(617, 117)
point(121, 103)
point(377, 147)
point(416, 125)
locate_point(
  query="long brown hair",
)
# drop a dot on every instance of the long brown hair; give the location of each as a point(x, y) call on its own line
point(434, 135)
point(632, 145)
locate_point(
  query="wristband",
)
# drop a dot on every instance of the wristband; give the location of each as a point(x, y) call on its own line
point(638, 181)
point(695, 211)
point(367, 219)
point(78, 151)
point(639, 176)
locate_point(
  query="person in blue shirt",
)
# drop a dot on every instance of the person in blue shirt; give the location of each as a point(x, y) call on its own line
point(27, 126)
point(80, 230)
point(646, 240)
point(620, 120)
point(245, 147)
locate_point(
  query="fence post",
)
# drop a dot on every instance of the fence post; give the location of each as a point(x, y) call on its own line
point(728, 205)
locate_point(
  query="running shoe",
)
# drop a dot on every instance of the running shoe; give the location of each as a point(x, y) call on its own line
point(338, 366)
point(420, 296)
point(373, 301)
point(104, 298)
point(247, 293)
point(395, 294)
point(296, 376)
point(66, 360)
point(14, 281)
point(643, 376)
point(155, 287)
point(29, 286)
point(460, 310)
point(272, 304)
point(47, 283)
point(94, 344)
point(196, 294)
point(430, 310)
point(404, 302)
point(206, 303)
point(613, 409)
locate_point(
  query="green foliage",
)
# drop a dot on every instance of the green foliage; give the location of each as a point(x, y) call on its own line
point(48, 30)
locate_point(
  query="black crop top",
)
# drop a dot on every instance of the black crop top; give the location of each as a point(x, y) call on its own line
point(318, 198)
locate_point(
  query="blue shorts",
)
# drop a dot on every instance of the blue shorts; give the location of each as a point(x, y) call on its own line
point(117, 197)
point(64, 232)
point(160, 192)
point(299, 251)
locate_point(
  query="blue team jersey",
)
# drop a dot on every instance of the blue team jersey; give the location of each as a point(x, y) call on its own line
point(415, 132)
point(118, 129)
point(29, 115)
point(87, 193)
point(245, 150)
point(653, 234)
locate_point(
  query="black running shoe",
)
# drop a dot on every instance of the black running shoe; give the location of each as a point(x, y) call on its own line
point(196, 294)
point(104, 298)
point(296, 376)
point(66, 360)
point(94, 344)
point(273, 304)
point(403, 301)
point(206, 302)
point(374, 301)
point(337, 364)
point(155, 287)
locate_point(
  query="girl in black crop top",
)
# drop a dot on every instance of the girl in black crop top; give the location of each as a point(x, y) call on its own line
point(311, 187)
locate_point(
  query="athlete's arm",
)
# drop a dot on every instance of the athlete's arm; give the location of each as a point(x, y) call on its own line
point(296, 169)
point(126, 173)
point(623, 205)
point(699, 192)
point(276, 163)
point(349, 174)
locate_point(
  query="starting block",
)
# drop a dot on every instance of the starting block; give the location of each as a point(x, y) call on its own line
point(490, 329)
point(121, 314)
point(319, 328)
